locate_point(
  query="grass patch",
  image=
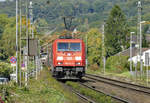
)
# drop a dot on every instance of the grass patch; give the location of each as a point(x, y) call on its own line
point(89, 71)
point(44, 90)
point(125, 74)
point(100, 98)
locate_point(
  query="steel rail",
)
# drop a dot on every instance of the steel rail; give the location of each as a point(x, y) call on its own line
point(83, 97)
point(112, 96)
point(126, 85)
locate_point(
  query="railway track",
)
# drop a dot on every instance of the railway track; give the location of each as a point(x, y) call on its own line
point(87, 100)
point(112, 96)
point(81, 96)
point(130, 86)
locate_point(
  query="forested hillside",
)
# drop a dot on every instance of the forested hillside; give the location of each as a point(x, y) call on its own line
point(120, 20)
point(96, 11)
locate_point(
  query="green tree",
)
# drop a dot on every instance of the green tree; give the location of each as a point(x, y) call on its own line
point(7, 42)
point(94, 46)
point(8, 38)
point(3, 23)
point(116, 30)
point(5, 69)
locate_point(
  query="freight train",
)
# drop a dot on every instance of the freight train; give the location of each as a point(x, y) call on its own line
point(67, 58)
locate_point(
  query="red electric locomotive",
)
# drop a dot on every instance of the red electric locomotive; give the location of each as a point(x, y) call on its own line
point(68, 58)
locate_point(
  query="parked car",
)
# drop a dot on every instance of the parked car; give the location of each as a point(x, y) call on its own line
point(3, 80)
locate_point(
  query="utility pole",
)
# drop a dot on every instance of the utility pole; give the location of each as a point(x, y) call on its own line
point(87, 27)
point(20, 38)
point(27, 44)
point(131, 51)
point(31, 18)
point(37, 61)
point(103, 47)
point(17, 41)
point(140, 34)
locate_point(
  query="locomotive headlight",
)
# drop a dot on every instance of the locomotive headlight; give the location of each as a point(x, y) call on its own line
point(77, 58)
point(59, 58)
point(78, 63)
point(59, 63)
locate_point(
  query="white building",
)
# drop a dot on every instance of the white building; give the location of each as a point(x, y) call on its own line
point(136, 58)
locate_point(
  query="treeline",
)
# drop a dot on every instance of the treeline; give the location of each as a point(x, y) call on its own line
point(7, 36)
point(52, 11)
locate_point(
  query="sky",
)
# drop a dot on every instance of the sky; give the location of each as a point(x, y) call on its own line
point(2, 0)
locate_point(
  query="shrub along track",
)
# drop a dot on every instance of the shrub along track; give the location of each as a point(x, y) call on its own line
point(132, 92)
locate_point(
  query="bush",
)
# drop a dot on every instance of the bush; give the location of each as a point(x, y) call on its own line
point(94, 67)
point(5, 69)
point(117, 64)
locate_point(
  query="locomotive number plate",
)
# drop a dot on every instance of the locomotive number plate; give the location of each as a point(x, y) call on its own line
point(69, 58)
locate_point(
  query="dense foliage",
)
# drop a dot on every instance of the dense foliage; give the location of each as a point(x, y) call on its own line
point(116, 31)
point(95, 10)
point(5, 69)
point(117, 64)
point(94, 46)
point(8, 36)
point(7, 41)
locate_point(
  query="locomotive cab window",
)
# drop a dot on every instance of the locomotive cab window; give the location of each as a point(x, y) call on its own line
point(63, 47)
point(75, 47)
point(69, 46)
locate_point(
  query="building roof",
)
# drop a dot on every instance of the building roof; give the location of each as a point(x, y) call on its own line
point(134, 38)
point(148, 38)
point(134, 52)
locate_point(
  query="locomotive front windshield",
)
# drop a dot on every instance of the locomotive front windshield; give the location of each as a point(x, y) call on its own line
point(69, 47)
